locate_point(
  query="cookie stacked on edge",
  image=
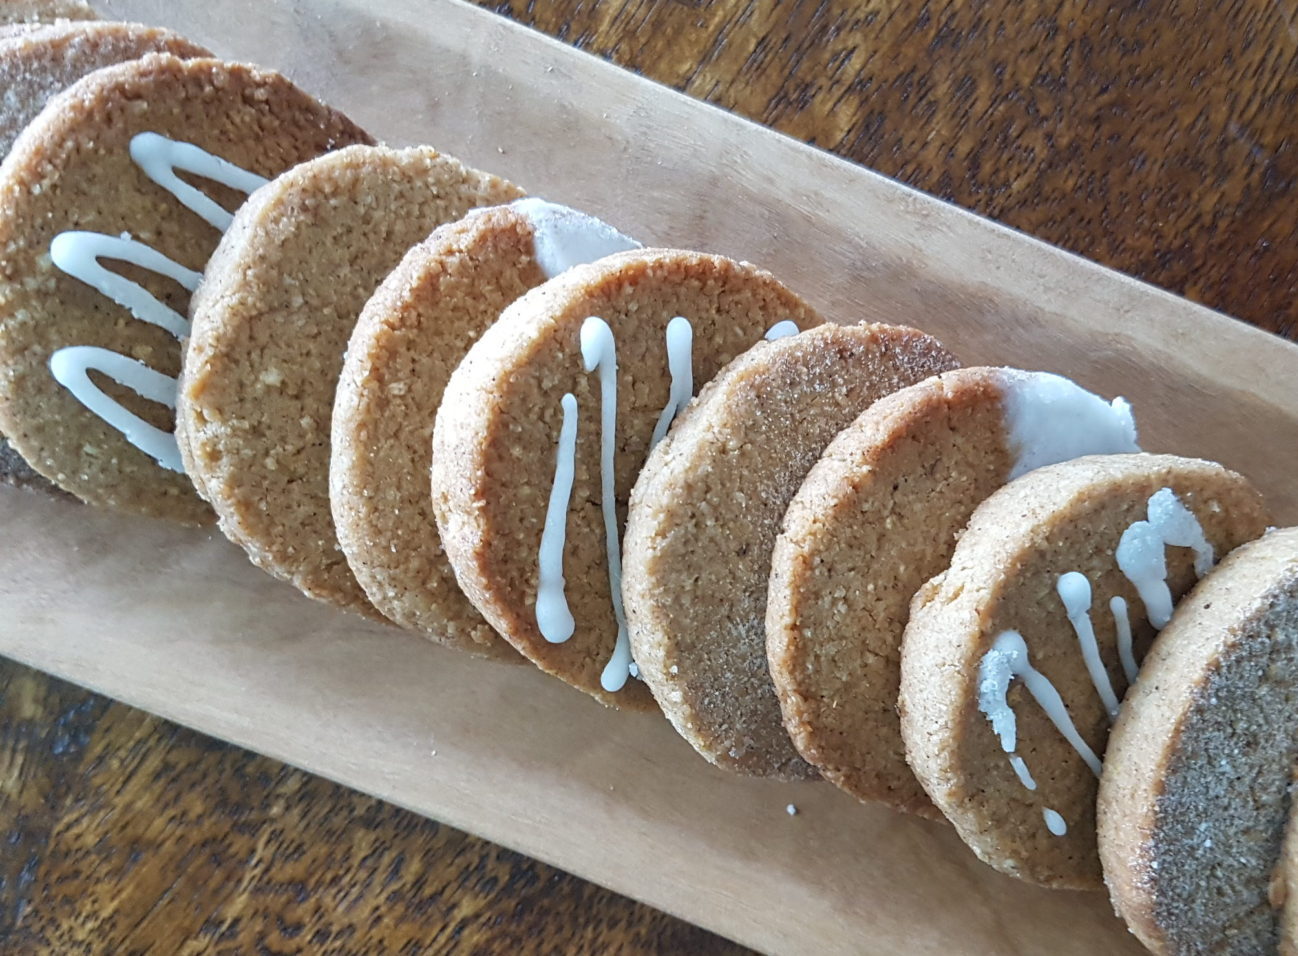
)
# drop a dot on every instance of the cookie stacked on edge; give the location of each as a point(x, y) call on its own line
point(821, 549)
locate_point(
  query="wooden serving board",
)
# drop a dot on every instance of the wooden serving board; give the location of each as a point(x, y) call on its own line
point(177, 622)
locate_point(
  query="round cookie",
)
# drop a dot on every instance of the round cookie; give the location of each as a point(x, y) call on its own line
point(271, 322)
point(93, 177)
point(1197, 779)
point(43, 11)
point(705, 513)
point(39, 61)
point(1016, 656)
point(411, 334)
point(872, 522)
point(524, 431)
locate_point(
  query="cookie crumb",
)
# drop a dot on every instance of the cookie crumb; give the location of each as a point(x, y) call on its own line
point(791, 810)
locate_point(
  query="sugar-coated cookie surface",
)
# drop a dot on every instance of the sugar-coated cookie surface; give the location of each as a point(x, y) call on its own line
point(271, 323)
point(1197, 779)
point(876, 517)
point(42, 11)
point(1016, 657)
point(526, 433)
point(705, 513)
point(93, 178)
point(410, 337)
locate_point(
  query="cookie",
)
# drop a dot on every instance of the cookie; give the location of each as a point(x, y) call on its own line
point(411, 334)
point(876, 517)
point(271, 322)
point(1197, 779)
point(534, 456)
point(1016, 657)
point(39, 61)
point(93, 177)
point(705, 513)
point(44, 11)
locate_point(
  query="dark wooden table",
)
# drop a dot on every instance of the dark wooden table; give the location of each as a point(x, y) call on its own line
point(1157, 138)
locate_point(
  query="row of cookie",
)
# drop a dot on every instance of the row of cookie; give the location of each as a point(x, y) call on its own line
point(275, 310)
point(776, 407)
point(97, 175)
point(1057, 587)
point(875, 516)
point(1085, 600)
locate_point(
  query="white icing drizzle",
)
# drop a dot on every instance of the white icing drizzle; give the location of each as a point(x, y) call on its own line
point(599, 353)
point(1005, 660)
point(159, 158)
point(1054, 822)
point(563, 237)
point(1021, 768)
point(78, 254)
point(680, 362)
point(1051, 419)
point(70, 367)
point(552, 614)
point(1122, 625)
point(781, 329)
point(1142, 557)
point(1075, 591)
point(1180, 528)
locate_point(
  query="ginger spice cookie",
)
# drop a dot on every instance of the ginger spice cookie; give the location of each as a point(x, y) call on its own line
point(1197, 783)
point(271, 322)
point(1017, 656)
point(411, 335)
point(40, 61)
point(705, 513)
point(877, 516)
point(101, 243)
point(546, 423)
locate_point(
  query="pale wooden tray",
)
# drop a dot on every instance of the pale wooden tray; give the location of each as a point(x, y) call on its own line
point(178, 623)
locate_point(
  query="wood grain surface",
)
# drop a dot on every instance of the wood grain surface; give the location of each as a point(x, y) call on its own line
point(1153, 137)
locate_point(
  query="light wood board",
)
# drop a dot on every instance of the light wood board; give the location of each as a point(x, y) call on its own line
point(178, 623)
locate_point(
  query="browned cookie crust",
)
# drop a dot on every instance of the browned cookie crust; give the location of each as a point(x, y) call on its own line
point(705, 513)
point(1003, 580)
point(497, 431)
point(1196, 786)
point(72, 169)
point(271, 322)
